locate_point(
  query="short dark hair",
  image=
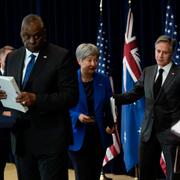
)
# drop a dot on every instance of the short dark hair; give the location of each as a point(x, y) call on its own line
point(32, 18)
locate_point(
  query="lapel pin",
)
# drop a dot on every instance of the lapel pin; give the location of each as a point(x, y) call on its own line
point(173, 73)
point(45, 57)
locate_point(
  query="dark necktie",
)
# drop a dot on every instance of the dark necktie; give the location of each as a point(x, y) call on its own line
point(28, 69)
point(158, 83)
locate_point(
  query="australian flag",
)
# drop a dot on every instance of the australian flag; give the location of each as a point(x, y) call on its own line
point(132, 114)
point(171, 29)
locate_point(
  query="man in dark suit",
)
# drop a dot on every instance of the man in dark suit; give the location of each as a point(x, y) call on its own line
point(161, 112)
point(5, 119)
point(43, 133)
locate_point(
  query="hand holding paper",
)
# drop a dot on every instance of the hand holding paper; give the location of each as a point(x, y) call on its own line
point(8, 93)
point(3, 94)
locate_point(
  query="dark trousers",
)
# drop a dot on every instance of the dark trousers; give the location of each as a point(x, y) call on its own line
point(169, 143)
point(4, 150)
point(2, 167)
point(53, 166)
point(150, 153)
point(149, 163)
point(87, 162)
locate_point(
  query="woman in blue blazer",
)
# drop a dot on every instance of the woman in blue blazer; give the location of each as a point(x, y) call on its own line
point(91, 118)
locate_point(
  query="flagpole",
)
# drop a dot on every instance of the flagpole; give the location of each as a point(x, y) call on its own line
point(100, 6)
point(136, 166)
point(103, 176)
point(125, 117)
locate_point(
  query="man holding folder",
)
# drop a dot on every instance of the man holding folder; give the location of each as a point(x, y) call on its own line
point(45, 74)
point(5, 119)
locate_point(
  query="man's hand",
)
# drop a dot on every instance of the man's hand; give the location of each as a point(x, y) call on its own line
point(26, 98)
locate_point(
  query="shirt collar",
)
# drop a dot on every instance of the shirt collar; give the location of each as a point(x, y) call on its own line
point(166, 68)
point(28, 53)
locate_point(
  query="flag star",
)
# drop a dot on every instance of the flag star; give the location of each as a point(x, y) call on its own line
point(104, 55)
point(171, 30)
point(139, 130)
point(125, 137)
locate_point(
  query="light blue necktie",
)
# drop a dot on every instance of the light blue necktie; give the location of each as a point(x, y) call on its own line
point(28, 69)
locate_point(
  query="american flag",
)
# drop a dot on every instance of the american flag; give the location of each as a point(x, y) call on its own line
point(171, 29)
point(104, 68)
point(102, 44)
point(132, 114)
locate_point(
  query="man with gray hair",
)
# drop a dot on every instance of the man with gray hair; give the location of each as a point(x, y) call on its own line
point(160, 85)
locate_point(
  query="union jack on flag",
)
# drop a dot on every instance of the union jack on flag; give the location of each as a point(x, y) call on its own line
point(104, 68)
point(132, 114)
point(171, 29)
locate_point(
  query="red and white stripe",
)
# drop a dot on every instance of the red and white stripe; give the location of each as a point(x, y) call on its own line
point(113, 150)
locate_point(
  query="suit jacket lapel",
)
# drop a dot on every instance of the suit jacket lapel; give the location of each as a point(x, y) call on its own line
point(42, 59)
point(38, 66)
point(168, 81)
point(97, 91)
point(82, 93)
point(19, 67)
point(151, 79)
point(170, 77)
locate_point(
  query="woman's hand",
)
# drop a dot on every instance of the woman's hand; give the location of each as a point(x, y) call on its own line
point(86, 119)
point(110, 130)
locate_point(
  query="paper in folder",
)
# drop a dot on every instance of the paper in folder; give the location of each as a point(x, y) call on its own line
point(9, 85)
